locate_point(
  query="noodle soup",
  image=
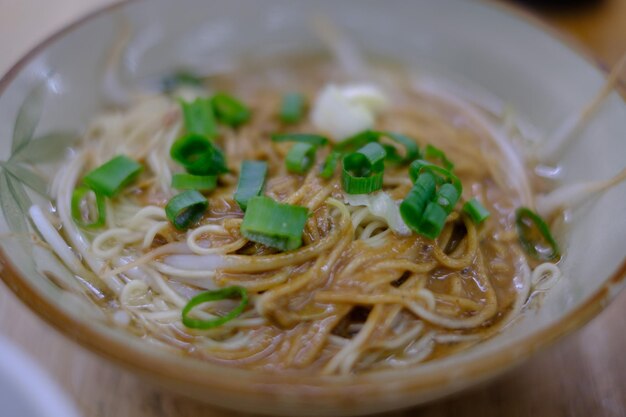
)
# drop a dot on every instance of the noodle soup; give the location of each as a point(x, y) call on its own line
point(286, 218)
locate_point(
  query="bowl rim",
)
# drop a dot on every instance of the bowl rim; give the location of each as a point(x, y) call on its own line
point(159, 363)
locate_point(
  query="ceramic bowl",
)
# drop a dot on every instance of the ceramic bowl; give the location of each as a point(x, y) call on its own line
point(61, 84)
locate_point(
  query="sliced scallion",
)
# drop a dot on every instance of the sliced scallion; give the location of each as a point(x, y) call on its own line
point(186, 208)
point(433, 220)
point(215, 295)
point(198, 155)
point(357, 141)
point(309, 138)
point(363, 170)
point(476, 211)
point(369, 158)
point(81, 210)
point(229, 110)
point(413, 206)
point(330, 164)
point(292, 108)
point(433, 153)
point(411, 150)
point(534, 235)
point(194, 182)
point(274, 224)
point(300, 158)
point(251, 182)
point(109, 179)
point(447, 196)
point(416, 167)
point(199, 118)
point(361, 185)
point(442, 175)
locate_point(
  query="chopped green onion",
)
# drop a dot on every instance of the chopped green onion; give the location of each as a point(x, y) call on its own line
point(330, 164)
point(370, 158)
point(361, 185)
point(431, 152)
point(419, 166)
point(476, 211)
point(109, 179)
point(292, 108)
point(199, 118)
point(363, 170)
point(229, 110)
point(251, 182)
point(433, 220)
point(311, 139)
point(79, 197)
point(416, 167)
point(357, 141)
point(198, 155)
point(447, 197)
point(412, 151)
point(368, 136)
point(413, 206)
point(215, 295)
point(179, 78)
point(535, 236)
point(194, 182)
point(186, 208)
point(393, 156)
point(426, 207)
point(274, 224)
point(300, 157)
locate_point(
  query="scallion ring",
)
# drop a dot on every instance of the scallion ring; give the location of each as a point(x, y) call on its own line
point(198, 155)
point(109, 179)
point(81, 211)
point(216, 295)
point(330, 164)
point(229, 110)
point(447, 196)
point(186, 208)
point(433, 153)
point(361, 185)
point(411, 149)
point(414, 204)
point(433, 220)
point(476, 211)
point(419, 166)
point(251, 182)
point(274, 224)
point(357, 141)
point(362, 171)
point(199, 118)
point(194, 182)
point(300, 157)
point(534, 235)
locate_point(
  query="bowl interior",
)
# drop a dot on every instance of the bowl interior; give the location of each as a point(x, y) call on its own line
point(478, 49)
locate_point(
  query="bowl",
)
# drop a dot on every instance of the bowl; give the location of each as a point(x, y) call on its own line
point(57, 87)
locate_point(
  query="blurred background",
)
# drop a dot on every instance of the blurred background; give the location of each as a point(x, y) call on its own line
point(585, 375)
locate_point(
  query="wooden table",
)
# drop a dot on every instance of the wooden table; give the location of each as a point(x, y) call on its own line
point(584, 375)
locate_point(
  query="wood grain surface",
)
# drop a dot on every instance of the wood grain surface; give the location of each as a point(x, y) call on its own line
point(583, 375)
